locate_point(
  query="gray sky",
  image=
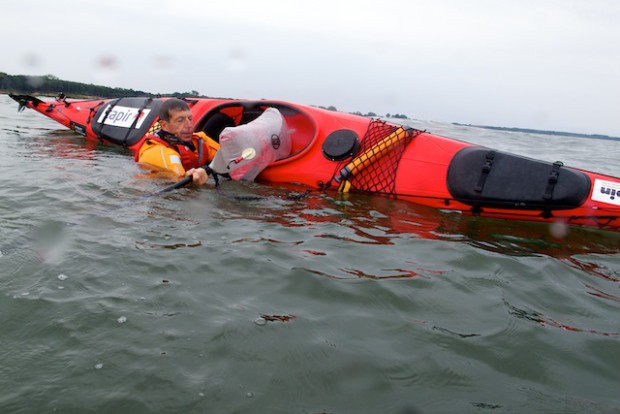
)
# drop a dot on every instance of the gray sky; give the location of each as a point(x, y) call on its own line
point(545, 64)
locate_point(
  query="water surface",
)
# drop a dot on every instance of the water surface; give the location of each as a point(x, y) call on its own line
point(241, 300)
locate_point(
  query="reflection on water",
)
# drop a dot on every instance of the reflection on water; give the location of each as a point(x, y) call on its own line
point(378, 220)
point(543, 320)
point(594, 269)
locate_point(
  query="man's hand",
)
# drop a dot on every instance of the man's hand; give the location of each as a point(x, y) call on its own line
point(199, 176)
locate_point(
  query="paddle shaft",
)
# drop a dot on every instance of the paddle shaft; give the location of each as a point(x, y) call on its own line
point(176, 185)
point(188, 179)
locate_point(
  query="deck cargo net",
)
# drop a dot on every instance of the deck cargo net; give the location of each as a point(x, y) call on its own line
point(374, 167)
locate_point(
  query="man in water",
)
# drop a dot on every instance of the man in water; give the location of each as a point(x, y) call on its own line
point(175, 148)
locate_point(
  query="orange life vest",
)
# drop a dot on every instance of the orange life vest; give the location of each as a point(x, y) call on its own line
point(205, 149)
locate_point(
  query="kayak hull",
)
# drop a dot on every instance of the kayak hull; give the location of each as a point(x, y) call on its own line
point(349, 153)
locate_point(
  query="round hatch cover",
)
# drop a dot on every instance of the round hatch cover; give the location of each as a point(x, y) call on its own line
point(340, 145)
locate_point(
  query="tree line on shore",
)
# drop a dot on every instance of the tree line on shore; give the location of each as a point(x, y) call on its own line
point(50, 85)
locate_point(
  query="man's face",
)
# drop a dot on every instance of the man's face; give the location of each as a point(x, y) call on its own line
point(181, 124)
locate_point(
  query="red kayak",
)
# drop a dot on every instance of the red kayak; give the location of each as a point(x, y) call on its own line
point(337, 151)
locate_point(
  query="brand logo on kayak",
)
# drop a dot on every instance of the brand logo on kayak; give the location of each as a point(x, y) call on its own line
point(275, 141)
point(123, 116)
point(606, 192)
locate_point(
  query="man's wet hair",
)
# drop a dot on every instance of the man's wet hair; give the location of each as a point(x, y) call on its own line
point(173, 104)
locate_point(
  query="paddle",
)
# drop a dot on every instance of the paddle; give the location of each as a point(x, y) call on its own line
point(183, 182)
point(246, 154)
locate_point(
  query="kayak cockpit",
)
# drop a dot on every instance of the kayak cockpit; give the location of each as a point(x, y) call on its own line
point(302, 127)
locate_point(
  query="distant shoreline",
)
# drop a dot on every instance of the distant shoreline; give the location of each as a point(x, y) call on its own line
point(540, 132)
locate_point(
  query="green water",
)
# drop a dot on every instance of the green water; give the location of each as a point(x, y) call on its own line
point(240, 300)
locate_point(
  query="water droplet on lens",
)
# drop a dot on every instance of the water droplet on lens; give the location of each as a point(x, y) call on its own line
point(559, 229)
